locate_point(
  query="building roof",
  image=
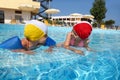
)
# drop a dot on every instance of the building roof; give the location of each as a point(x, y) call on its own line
point(25, 5)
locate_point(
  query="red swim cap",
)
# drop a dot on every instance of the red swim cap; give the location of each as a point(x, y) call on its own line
point(83, 29)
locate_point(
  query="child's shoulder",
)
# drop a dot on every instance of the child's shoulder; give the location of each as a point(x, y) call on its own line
point(24, 41)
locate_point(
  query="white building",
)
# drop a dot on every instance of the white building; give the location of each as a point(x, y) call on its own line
point(72, 19)
point(16, 11)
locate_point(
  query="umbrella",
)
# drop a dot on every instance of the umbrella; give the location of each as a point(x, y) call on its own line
point(75, 14)
point(52, 11)
point(88, 16)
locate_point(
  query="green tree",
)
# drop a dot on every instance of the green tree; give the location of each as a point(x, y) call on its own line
point(94, 24)
point(98, 11)
point(109, 23)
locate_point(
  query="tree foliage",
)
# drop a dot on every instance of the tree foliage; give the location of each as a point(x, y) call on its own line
point(98, 10)
point(109, 22)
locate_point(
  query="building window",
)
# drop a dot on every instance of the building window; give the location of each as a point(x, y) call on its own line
point(19, 18)
point(1, 16)
point(35, 0)
point(18, 12)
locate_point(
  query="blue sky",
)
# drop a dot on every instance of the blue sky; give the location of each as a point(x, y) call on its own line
point(67, 7)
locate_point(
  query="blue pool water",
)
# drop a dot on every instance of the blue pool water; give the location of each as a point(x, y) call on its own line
point(62, 64)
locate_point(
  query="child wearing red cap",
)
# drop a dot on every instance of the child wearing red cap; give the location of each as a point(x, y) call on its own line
point(78, 37)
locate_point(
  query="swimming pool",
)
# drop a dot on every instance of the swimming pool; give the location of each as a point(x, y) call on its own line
point(62, 64)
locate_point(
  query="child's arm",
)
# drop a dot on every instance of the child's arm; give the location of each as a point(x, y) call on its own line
point(51, 43)
point(86, 45)
point(24, 51)
point(50, 49)
point(74, 50)
point(67, 46)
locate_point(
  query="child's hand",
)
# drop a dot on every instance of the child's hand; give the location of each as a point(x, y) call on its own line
point(79, 52)
point(89, 49)
point(50, 49)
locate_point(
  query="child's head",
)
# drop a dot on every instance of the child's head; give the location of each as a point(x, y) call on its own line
point(34, 30)
point(83, 29)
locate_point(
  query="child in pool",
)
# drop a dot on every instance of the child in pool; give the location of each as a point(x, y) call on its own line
point(78, 37)
point(35, 33)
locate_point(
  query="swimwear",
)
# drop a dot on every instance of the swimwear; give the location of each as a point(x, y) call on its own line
point(49, 42)
point(80, 44)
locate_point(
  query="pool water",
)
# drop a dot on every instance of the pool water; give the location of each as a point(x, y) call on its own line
point(101, 64)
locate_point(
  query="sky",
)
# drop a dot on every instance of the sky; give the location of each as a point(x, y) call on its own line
point(68, 7)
